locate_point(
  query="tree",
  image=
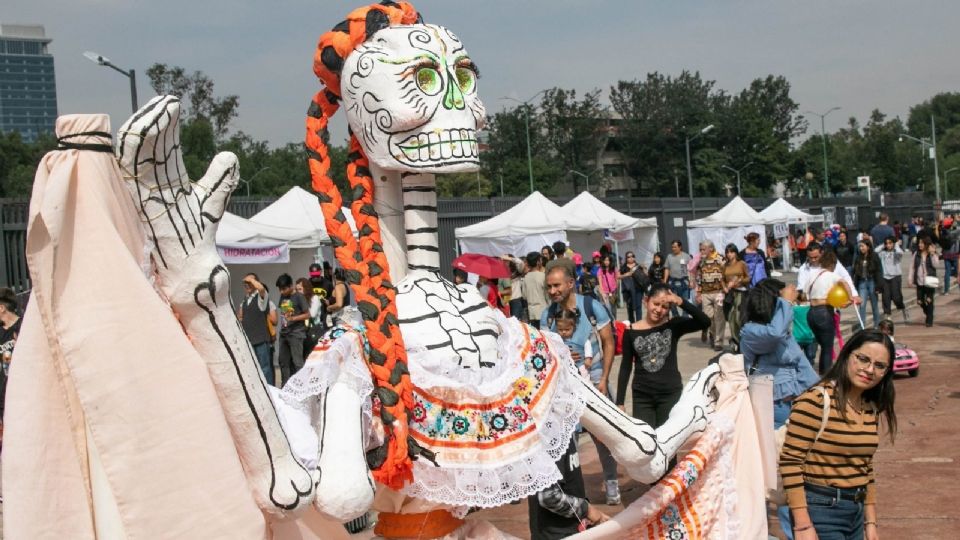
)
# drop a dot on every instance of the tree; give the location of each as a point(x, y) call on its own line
point(574, 130)
point(505, 155)
point(18, 162)
point(461, 185)
point(196, 94)
point(658, 114)
point(756, 126)
point(945, 109)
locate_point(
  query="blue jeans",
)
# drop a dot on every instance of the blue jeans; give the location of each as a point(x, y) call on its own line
point(781, 412)
point(950, 269)
point(681, 288)
point(265, 358)
point(633, 297)
point(820, 319)
point(867, 289)
point(835, 518)
point(810, 351)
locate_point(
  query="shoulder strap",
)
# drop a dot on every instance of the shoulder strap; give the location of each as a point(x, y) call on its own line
point(588, 311)
point(810, 288)
point(552, 315)
point(825, 415)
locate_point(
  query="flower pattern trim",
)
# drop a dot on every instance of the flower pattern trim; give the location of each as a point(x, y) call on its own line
point(439, 423)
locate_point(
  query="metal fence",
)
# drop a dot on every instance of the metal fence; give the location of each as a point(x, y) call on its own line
point(671, 213)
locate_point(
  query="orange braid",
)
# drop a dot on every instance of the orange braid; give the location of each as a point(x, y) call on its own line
point(368, 272)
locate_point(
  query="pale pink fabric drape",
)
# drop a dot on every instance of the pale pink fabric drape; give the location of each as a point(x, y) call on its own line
point(735, 404)
point(100, 353)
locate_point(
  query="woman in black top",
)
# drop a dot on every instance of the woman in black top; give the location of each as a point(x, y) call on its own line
point(651, 343)
point(867, 277)
point(658, 272)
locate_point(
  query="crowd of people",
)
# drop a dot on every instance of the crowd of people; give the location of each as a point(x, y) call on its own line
point(788, 334)
point(288, 329)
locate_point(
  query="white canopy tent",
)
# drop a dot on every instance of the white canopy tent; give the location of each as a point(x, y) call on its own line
point(237, 235)
point(533, 223)
point(781, 211)
point(729, 225)
point(298, 208)
point(588, 219)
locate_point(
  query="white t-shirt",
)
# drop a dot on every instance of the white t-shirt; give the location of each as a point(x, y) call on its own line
point(821, 283)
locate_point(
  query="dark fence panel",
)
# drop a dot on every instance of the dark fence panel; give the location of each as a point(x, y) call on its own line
point(13, 244)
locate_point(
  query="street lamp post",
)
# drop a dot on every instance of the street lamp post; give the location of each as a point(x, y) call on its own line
point(526, 125)
point(946, 184)
point(689, 168)
point(250, 181)
point(738, 171)
point(823, 139)
point(585, 176)
point(131, 74)
point(932, 144)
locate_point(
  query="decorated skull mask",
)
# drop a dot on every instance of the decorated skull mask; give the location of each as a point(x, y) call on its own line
point(410, 94)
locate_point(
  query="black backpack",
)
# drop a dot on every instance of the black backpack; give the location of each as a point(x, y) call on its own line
point(587, 309)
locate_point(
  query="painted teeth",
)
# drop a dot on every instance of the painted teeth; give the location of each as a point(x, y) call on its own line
point(439, 145)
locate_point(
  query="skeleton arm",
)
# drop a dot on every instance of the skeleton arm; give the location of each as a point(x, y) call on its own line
point(643, 451)
point(180, 218)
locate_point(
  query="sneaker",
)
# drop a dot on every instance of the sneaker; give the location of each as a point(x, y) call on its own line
point(703, 336)
point(906, 317)
point(612, 489)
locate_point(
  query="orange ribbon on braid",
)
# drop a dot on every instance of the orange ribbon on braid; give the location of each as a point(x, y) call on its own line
point(365, 261)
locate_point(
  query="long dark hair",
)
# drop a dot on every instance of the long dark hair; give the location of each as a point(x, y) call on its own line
point(882, 395)
point(654, 262)
point(760, 302)
point(307, 288)
point(732, 248)
point(607, 264)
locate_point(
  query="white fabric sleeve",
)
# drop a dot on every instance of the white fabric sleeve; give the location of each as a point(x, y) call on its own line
point(842, 272)
point(263, 302)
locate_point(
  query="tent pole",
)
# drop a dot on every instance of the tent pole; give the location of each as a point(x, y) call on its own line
point(616, 252)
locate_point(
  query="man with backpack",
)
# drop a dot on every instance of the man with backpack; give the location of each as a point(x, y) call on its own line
point(594, 328)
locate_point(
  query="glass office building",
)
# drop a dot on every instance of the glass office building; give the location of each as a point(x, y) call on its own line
point(28, 89)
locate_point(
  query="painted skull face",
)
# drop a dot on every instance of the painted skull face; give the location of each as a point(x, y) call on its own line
point(410, 94)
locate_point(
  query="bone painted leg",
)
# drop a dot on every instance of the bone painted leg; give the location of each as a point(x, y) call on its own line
point(346, 487)
point(180, 218)
point(644, 452)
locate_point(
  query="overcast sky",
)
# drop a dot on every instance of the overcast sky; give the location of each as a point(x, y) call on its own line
point(859, 55)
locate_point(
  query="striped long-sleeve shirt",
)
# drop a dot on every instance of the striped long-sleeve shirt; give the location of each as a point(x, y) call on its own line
point(842, 457)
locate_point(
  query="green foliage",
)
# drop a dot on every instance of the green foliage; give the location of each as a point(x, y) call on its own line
point(460, 185)
point(18, 162)
point(505, 156)
point(574, 131)
point(196, 96)
point(658, 114)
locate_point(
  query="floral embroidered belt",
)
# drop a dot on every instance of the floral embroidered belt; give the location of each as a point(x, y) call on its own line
point(434, 524)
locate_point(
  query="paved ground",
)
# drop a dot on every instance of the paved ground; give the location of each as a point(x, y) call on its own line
point(916, 476)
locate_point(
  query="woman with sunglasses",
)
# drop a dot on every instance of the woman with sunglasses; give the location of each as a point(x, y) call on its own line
point(633, 281)
point(651, 345)
point(827, 469)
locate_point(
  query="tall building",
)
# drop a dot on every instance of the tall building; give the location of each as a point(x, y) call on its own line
point(28, 89)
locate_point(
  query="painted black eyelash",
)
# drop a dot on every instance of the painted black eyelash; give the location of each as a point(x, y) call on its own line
point(423, 63)
point(469, 64)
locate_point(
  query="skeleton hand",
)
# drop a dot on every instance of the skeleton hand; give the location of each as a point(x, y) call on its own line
point(180, 218)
